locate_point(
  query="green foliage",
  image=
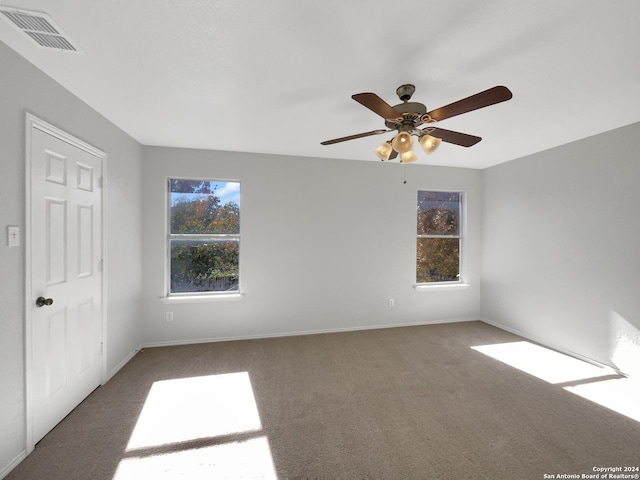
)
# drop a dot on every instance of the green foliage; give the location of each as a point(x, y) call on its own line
point(438, 259)
point(438, 213)
point(201, 263)
point(204, 265)
point(190, 186)
point(204, 214)
point(438, 221)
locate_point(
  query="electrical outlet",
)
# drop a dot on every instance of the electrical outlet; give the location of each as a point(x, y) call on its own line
point(392, 302)
point(169, 316)
point(13, 236)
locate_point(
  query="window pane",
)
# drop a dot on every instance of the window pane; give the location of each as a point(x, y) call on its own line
point(204, 265)
point(438, 213)
point(204, 206)
point(438, 260)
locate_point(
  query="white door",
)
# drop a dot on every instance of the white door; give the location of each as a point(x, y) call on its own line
point(64, 328)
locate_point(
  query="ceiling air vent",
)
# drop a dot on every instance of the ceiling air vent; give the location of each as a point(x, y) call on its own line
point(40, 28)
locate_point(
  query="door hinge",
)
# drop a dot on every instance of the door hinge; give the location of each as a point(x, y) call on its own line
point(100, 182)
point(101, 265)
point(101, 348)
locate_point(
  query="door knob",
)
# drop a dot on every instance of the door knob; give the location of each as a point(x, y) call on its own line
point(41, 301)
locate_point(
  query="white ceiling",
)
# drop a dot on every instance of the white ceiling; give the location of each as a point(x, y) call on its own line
point(277, 76)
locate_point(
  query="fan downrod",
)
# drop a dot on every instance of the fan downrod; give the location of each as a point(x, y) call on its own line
point(405, 92)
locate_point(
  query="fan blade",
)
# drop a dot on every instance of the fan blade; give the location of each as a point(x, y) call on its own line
point(374, 103)
point(479, 100)
point(449, 136)
point(353, 137)
point(393, 155)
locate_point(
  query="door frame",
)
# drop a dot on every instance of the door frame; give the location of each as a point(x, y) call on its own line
point(33, 122)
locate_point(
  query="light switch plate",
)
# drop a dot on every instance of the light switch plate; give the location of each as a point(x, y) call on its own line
point(13, 236)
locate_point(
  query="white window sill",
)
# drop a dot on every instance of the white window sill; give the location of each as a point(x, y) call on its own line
point(202, 298)
point(439, 287)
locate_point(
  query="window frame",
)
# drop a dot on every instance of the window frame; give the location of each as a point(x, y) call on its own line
point(461, 236)
point(197, 295)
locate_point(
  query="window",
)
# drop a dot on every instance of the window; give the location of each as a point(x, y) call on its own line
point(204, 236)
point(439, 239)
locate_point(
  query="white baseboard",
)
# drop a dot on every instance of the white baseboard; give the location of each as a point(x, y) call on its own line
point(552, 346)
point(13, 464)
point(128, 358)
point(117, 368)
point(355, 329)
point(302, 332)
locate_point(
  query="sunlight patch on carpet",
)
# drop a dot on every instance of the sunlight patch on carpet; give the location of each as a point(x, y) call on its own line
point(248, 459)
point(191, 408)
point(617, 394)
point(548, 365)
point(199, 427)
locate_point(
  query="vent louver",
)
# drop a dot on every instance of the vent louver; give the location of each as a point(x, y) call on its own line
point(40, 28)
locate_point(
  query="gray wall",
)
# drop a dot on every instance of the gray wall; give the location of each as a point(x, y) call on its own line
point(324, 245)
point(23, 88)
point(560, 256)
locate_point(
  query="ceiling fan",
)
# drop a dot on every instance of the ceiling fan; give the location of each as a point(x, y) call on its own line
point(406, 117)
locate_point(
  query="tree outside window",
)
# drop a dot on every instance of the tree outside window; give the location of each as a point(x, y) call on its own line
point(438, 239)
point(204, 236)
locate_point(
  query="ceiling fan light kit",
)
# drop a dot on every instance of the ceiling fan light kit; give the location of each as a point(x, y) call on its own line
point(406, 117)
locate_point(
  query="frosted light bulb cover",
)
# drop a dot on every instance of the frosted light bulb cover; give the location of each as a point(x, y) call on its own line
point(408, 157)
point(429, 143)
point(384, 151)
point(402, 142)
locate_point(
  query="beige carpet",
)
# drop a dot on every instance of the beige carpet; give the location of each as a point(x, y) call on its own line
point(400, 403)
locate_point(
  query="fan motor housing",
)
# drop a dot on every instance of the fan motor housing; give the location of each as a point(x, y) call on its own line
point(411, 107)
point(412, 115)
